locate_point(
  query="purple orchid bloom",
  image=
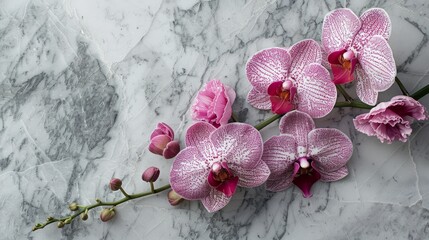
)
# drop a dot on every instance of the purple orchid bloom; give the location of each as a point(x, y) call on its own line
point(287, 79)
point(303, 155)
point(359, 45)
point(216, 161)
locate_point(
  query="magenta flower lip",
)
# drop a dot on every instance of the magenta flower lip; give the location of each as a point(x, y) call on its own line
point(216, 161)
point(357, 47)
point(293, 78)
point(303, 154)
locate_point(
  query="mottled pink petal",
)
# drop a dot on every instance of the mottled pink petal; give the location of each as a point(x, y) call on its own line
point(329, 148)
point(332, 176)
point(188, 175)
point(171, 150)
point(306, 181)
point(339, 28)
point(228, 187)
point(215, 201)
point(279, 155)
point(259, 100)
point(253, 177)
point(158, 144)
point(239, 144)
point(303, 53)
point(267, 66)
point(298, 124)
point(316, 92)
point(378, 63)
point(375, 21)
point(364, 90)
point(411, 107)
point(198, 135)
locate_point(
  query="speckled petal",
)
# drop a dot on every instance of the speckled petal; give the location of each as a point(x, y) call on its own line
point(378, 63)
point(215, 201)
point(339, 28)
point(279, 155)
point(253, 177)
point(302, 54)
point(363, 87)
point(375, 21)
point(198, 135)
point(188, 175)
point(332, 176)
point(316, 92)
point(298, 124)
point(239, 144)
point(259, 100)
point(267, 66)
point(329, 148)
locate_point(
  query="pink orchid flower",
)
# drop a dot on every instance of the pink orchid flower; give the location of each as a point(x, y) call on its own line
point(216, 161)
point(391, 120)
point(302, 154)
point(287, 79)
point(359, 45)
point(213, 103)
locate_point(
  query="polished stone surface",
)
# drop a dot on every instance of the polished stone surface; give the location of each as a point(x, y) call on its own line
point(83, 83)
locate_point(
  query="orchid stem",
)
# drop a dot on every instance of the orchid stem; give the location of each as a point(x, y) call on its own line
point(84, 209)
point(402, 87)
point(123, 192)
point(266, 122)
point(420, 93)
point(344, 93)
point(152, 187)
point(354, 104)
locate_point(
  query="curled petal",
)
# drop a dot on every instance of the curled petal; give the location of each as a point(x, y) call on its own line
point(339, 28)
point(363, 87)
point(162, 129)
point(198, 135)
point(215, 201)
point(279, 155)
point(158, 144)
point(259, 100)
point(332, 176)
point(171, 150)
point(411, 107)
point(302, 54)
point(298, 124)
point(267, 66)
point(329, 148)
point(253, 177)
point(188, 175)
point(316, 92)
point(375, 21)
point(238, 144)
point(378, 63)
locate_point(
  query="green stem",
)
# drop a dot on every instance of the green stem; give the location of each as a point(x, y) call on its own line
point(354, 104)
point(344, 93)
point(123, 192)
point(266, 122)
point(152, 187)
point(420, 93)
point(99, 204)
point(402, 87)
point(234, 117)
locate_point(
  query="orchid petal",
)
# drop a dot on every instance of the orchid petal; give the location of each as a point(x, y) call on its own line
point(171, 150)
point(162, 129)
point(188, 175)
point(158, 144)
point(238, 144)
point(339, 28)
point(228, 187)
point(198, 135)
point(303, 53)
point(259, 100)
point(267, 66)
point(215, 201)
point(363, 87)
point(378, 63)
point(375, 21)
point(332, 176)
point(253, 177)
point(329, 148)
point(298, 124)
point(279, 155)
point(306, 181)
point(316, 92)
point(280, 105)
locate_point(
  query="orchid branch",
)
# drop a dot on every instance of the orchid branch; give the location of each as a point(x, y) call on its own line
point(354, 103)
point(266, 122)
point(344, 93)
point(420, 93)
point(402, 87)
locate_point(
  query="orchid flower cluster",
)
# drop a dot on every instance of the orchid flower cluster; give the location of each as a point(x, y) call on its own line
point(297, 84)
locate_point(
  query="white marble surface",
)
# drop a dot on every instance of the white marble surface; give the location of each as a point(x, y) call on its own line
point(83, 83)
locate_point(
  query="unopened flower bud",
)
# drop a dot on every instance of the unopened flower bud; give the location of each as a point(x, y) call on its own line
point(60, 224)
point(49, 219)
point(107, 214)
point(73, 206)
point(84, 216)
point(115, 184)
point(151, 174)
point(174, 198)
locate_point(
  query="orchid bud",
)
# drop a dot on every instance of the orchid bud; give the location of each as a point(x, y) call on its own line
point(84, 216)
point(151, 174)
point(161, 141)
point(60, 224)
point(73, 206)
point(107, 214)
point(115, 184)
point(174, 198)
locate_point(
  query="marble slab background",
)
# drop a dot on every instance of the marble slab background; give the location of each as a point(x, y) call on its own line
point(82, 84)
